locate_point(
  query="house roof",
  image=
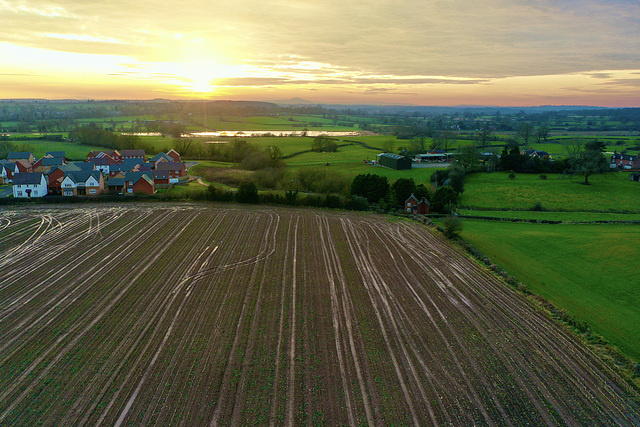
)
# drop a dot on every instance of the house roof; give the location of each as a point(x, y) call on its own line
point(411, 197)
point(19, 155)
point(135, 176)
point(28, 178)
point(100, 161)
point(113, 182)
point(52, 161)
point(161, 156)
point(171, 166)
point(83, 166)
point(126, 166)
point(9, 165)
point(391, 156)
point(101, 153)
point(55, 154)
point(83, 176)
point(132, 153)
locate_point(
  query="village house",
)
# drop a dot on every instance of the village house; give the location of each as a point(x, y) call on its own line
point(535, 153)
point(128, 165)
point(7, 170)
point(103, 164)
point(413, 205)
point(133, 154)
point(24, 166)
point(29, 185)
point(139, 183)
point(160, 157)
point(114, 155)
point(46, 164)
point(176, 170)
point(174, 155)
point(624, 161)
point(57, 154)
point(161, 179)
point(89, 183)
point(57, 174)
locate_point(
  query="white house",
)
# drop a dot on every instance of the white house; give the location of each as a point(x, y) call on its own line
point(29, 185)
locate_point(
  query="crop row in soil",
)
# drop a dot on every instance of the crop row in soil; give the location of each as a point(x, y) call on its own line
point(161, 314)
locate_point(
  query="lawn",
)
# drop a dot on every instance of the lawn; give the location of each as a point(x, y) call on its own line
point(588, 270)
point(610, 192)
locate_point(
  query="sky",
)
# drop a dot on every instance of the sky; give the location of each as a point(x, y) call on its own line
point(417, 52)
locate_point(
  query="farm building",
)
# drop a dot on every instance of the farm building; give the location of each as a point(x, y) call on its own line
point(413, 205)
point(29, 185)
point(394, 161)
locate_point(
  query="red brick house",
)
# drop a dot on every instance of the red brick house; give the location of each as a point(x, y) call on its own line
point(413, 205)
point(161, 179)
point(175, 169)
point(113, 155)
point(133, 154)
point(174, 155)
point(625, 161)
point(139, 182)
point(24, 166)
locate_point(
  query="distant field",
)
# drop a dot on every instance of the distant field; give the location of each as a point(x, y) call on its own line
point(610, 192)
point(588, 270)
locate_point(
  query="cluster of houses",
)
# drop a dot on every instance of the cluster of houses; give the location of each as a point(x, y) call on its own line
point(123, 172)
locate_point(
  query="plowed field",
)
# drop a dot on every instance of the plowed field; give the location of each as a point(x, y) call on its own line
point(194, 315)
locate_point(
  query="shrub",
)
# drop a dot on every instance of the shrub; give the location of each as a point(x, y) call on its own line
point(357, 203)
point(247, 193)
point(537, 207)
point(451, 226)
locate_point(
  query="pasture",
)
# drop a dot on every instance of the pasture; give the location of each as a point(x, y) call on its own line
point(584, 269)
point(610, 192)
point(161, 314)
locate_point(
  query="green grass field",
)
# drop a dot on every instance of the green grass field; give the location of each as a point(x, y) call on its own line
point(610, 192)
point(551, 215)
point(588, 270)
point(73, 151)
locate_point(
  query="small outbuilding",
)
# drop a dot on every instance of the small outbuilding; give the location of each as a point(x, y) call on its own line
point(394, 161)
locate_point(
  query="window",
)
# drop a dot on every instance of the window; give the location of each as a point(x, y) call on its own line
point(92, 191)
point(35, 192)
point(19, 193)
